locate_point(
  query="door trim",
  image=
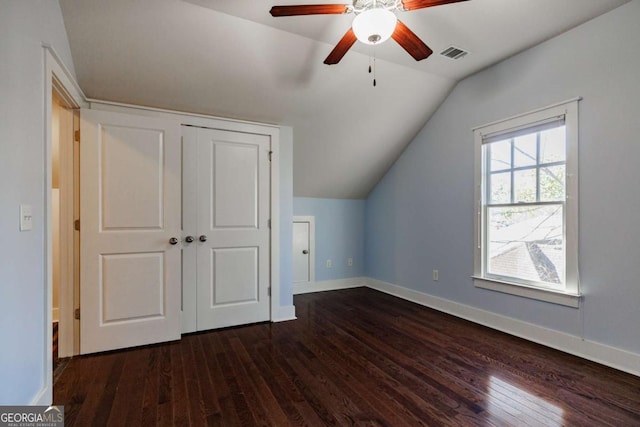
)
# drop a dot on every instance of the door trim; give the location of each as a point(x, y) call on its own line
point(57, 75)
point(312, 245)
point(275, 223)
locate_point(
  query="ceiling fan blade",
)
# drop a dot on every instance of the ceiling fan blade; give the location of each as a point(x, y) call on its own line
point(341, 48)
point(309, 9)
point(410, 42)
point(421, 4)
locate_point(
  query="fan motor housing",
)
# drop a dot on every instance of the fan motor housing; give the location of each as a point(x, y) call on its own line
point(360, 6)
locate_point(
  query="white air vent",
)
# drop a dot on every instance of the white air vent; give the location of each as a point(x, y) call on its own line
point(453, 52)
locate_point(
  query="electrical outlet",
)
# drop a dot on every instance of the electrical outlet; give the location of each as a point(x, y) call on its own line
point(435, 275)
point(329, 263)
point(350, 262)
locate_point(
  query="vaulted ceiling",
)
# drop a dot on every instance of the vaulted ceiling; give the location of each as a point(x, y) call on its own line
point(230, 58)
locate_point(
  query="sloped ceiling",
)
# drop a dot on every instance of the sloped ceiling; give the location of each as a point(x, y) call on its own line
point(230, 58)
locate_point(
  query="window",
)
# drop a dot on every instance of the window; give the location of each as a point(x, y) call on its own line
point(526, 194)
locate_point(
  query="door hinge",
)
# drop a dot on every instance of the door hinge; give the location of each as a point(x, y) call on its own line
point(76, 225)
point(76, 136)
point(76, 314)
point(269, 291)
point(270, 154)
point(269, 223)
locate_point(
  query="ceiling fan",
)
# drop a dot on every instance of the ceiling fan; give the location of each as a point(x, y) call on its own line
point(375, 22)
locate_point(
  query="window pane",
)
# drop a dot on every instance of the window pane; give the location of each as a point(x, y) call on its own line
point(500, 155)
point(526, 243)
point(553, 145)
point(524, 182)
point(524, 153)
point(500, 188)
point(552, 183)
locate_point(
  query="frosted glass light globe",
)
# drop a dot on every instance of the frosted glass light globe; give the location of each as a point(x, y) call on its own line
point(374, 26)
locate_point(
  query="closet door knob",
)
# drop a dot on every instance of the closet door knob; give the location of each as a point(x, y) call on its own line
point(173, 241)
point(189, 239)
point(203, 238)
point(305, 251)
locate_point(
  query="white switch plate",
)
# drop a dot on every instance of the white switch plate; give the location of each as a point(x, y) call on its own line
point(26, 218)
point(350, 262)
point(329, 263)
point(435, 275)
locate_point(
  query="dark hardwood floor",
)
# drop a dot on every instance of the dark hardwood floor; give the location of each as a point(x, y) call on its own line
point(54, 344)
point(353, 358)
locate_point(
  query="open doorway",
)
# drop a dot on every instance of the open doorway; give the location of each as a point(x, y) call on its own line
point(64, 248)
point(59, 81)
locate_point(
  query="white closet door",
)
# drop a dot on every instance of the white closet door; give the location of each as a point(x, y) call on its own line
point(130, 209)
point(233, 236)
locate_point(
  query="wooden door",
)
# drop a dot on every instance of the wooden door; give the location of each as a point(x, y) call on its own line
point(130, 206)
point(233, 235)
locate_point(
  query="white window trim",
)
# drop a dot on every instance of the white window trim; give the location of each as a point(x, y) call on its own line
point(570, 296)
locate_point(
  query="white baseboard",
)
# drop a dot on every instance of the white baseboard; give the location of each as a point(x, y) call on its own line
point(590, 350)
point(285, 313)
point(329, 285)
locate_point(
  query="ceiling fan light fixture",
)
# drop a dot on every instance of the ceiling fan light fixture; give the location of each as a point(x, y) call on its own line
point(374, 26)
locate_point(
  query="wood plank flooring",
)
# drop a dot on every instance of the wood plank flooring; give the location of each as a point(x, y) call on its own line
point(353, 358)
point(54, 344)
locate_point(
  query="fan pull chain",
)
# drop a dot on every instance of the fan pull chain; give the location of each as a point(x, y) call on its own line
point(374, 71)
point(372, 54)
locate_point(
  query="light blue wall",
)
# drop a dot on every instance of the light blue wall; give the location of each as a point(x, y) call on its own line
point(24, 26)
point(286, 216)
point(420, 216)
point(339, 235)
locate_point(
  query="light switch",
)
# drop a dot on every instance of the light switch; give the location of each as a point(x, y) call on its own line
point(26, 218)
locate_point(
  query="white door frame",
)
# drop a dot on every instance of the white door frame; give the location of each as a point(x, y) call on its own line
point(55, 71)
point(312, 244)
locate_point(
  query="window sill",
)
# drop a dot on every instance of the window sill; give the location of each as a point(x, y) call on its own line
point(548, 295)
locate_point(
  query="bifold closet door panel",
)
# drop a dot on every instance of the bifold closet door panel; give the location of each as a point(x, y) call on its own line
point(232, 236)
